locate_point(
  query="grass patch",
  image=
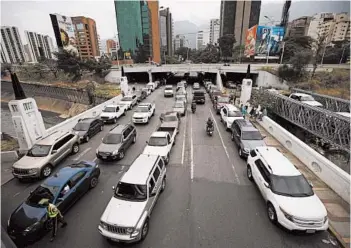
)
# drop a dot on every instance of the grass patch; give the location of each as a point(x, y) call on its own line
point(9, 145)
point(107, 90)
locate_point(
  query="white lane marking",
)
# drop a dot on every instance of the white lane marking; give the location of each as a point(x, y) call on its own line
point(183, 150)
point(225, 148)
point(122, 167)
point(191, 149)
point(16, 194)
point(94, 159)
point(82, 153)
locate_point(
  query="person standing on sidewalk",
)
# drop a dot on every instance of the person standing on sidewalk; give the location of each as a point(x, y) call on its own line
point(55, 216)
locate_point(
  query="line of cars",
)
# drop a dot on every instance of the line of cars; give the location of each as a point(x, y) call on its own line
point(29, 221)
point(290, 199)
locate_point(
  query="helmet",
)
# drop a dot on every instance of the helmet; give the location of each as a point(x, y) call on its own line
point(209, 119)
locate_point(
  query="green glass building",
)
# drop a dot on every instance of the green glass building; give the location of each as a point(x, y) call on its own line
point(146, 28)
point(129, 24)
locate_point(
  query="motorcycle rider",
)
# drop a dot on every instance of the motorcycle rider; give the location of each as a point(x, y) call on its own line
point(209, 123)
point(193, 105)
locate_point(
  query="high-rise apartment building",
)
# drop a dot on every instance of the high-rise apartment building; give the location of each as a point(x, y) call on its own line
point(299, 27)
point(214, 31)
point(111, 46)
point(166, 32)
point(147, 29)
point(179, 41)
point(87, 41)
point(155, 30)
point(40, 46)
point(341, 30)
point(202, 39)
point(129, 25)
point(12, 50)
point(27, 53)
point(237, 17)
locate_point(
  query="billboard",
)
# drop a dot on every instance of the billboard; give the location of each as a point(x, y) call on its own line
point(250, 41)
point(66, 32)
point(269, 40)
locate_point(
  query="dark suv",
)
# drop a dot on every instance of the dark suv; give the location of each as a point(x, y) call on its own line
point(246, 136)
point(87, 128)
point(199, 96)
point(116, 142)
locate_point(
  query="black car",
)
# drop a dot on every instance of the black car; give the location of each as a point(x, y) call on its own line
point(116, 142)
point(87, 128)
point(199, 96)
point(29, 221)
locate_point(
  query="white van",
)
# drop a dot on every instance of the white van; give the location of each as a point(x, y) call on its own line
point(126, 217)
point(151, 86)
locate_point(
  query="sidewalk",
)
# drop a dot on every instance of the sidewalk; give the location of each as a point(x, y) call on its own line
point(6, 172)
point(338, 209)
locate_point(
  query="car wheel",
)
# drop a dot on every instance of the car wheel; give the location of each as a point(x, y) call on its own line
point(75, 148)
point(121, 154)
point(272, 215)
point(87, 138)
point(163, 185)
point(240, 152)
point(101, 128)
point(46, 171)
point(249, 173)
point(167, 159)
point(221, 120)
point(93, 182)
point(145, 229)
point(115, 120)
point(124, 113)
point(232, 136)
point(134, 139)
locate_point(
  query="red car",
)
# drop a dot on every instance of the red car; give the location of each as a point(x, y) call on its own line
point(221, 101)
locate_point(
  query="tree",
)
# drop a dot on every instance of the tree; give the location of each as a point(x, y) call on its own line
point(183, 52)
point(238, 52)
point(51, 64)
point(5, 68)
point(209, 55)
point(141, 54)
point(68, 61)
point(226, 43)
point(317, 46)
point(295, 44)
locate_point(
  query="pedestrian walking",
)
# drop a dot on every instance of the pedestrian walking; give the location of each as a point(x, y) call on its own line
point(263, 113)
point(55, 216)
point(244, 111)
point(252, 111)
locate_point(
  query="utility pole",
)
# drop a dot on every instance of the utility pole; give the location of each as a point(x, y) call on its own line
point(281, 57)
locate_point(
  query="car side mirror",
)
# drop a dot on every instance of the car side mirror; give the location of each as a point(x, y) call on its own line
point(54, 151)
point(266, 185)
point(311, 184)
point(113, 188)
point(153, 194)
point(237, 135)
point(59, 200)
point(263, 137)
point(147, 142)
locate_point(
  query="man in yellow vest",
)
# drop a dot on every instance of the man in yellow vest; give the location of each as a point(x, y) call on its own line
point(55, 216)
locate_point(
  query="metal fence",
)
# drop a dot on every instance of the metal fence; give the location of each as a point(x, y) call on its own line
point(325, 124)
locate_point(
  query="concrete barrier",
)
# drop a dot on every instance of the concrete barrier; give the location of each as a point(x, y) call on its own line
point(9, 156)
point(337, 179)
point(93, 112)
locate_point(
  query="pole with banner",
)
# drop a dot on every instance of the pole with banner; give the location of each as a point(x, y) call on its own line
point(282, 56)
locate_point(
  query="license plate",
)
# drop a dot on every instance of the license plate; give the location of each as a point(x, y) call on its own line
point(115, 240)
point(104, 157)
point(310, 231)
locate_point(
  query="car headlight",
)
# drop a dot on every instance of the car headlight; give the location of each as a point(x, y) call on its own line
point(325, 218)
point(130, 230)
point(32, 171)
point(76, 133)
point(115, 152)
point(246, 150)
point(97, 150)
point(288, 216)
point(103, 225)
point(32, 227)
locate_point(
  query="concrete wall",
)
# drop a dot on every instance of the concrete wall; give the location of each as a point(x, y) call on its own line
point(267, 79)
point(9, 156)
point(93, 112)
point(113, 76)
point(337, 179)
point(219, 82)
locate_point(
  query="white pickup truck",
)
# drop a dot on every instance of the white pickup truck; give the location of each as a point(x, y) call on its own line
point(143, 113)
point(111, 113)
point(161, 142)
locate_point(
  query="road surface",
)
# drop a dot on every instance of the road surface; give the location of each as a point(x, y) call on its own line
point(208, 201)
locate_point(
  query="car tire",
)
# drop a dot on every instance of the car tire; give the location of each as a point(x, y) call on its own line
point(87, 139)
point(46, 171)
point(163, 185)
point(101, 128)
point(232, 136)
point(93, 182)
point(167, 159)
point(75, 148)
point(272, 215)
point(134, 139)
point(240, 152)
point(121, 155)
point(114, 120)
point(124, 113)
point(249, 173)
point(145, 229)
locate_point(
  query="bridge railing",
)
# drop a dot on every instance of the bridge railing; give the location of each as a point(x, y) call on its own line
point(331, 103)
point(325, 124)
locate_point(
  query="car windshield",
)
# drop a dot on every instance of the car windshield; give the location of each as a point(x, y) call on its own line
point(295, 186)
point(41, 194)
point(109, 109)
point(142, 110)
point(223, 99)
point(170, 118)
point(234, 114)
point(39, 151)
point(81, 126)
point(169, 88)
point(131, 192)
point(149, 86)
point(145, 89)
point(179, 105)
point(127, 98)
point(251, 135)
point(157, 141)
point(112, 138)
point(307, 98)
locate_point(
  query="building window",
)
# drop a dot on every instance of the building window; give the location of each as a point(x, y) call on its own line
point(14, 108)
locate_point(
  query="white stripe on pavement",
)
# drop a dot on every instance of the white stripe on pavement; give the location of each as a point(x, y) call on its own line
point(191, 149)
point(82, 153)
point(183, 150)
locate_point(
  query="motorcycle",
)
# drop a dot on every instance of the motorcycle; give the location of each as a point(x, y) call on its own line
point(209, 130)
point(193, 110)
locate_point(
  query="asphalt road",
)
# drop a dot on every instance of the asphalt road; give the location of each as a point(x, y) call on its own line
point(208, 201)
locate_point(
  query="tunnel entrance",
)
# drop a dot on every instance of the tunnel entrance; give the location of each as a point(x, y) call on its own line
point(137, 77)
point(237, 78)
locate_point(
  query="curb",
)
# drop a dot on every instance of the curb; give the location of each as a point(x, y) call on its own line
point(337, 236)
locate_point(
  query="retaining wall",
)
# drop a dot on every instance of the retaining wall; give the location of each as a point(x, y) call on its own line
point(337, 179)
point(9, 156)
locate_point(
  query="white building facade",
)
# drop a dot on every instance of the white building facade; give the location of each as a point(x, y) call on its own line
point(214, 31)
point(12, 50)
point(202, 39)
point(40, 46)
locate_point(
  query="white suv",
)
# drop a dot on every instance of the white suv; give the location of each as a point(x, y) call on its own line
point(289, 196)
point(229, 113)
point(126, 217)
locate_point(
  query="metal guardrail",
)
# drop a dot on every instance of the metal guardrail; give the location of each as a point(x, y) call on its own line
point(325, 124)
point(331, 103)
